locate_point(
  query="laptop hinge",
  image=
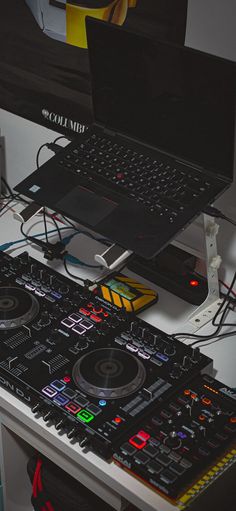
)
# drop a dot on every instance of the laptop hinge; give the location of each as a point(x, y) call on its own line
point(107, 131)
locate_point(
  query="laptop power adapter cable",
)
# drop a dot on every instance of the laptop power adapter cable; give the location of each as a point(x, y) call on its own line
point(211, 211)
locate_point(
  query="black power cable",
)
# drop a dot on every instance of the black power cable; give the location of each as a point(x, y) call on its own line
point(209, 210)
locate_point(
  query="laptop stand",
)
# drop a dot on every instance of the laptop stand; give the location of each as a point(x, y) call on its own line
point(207, 310)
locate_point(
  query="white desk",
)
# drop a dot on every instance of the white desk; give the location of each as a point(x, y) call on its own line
point(21, 433)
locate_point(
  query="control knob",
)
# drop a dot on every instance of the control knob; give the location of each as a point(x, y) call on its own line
point(173, 441)
point(45, 319)
point(176, 371)
point(72, 433)
point(169, 350)
point(63, 289)
point(37, 407)
point(49, 415)
point(61, 424)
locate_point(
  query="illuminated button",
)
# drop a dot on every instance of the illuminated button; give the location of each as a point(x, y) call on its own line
point(58, 385)
point(56, 295)
point(102, 402)
point(84, 311)
point(89, 305)
point(105, 314)
point(187, 392)
point(194, 283)
point(143, 435)
point(86, 324)
point(78, 329)
point(193, 396)
point(162, 357)
point(232, 420)
point(143, 355)
point(202, 417)
point(206, 401)
point(131, 347)
point(117, 420)
point(98, 310)
point(137, 442)
point(75, 317)
point(85, 416)
point(67, 379)
point(67, 322)
point(73, 408)
point(48, 391)
point(61, 400)
point(95, 318)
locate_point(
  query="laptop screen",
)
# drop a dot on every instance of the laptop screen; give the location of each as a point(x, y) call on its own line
point(177, 99)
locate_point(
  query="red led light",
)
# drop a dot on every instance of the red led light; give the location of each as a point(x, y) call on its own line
point(67, 379)
point(194, 283)
point(118, 420)
point(97, 310)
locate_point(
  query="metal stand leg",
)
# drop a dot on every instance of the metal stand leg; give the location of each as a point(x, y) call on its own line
point(206, 311)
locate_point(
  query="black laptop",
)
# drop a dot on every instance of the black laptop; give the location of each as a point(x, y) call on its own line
point(160, 149)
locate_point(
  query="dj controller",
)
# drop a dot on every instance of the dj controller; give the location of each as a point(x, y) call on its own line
point(108, 379)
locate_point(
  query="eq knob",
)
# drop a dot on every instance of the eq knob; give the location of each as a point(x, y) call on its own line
point(61, 424)
point(49, 415)
point(37, 407)
point(72, 433)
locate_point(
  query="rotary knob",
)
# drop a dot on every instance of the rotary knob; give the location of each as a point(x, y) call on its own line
point(170, 350)
point(176, 371)
point(173, 441)
point(45, 319)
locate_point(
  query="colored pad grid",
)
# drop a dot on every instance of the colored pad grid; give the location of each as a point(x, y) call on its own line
point(72, 408)
point(57, 385)
point(67, 322)
point(61, 400)
point(85, 416)
point(49, 391)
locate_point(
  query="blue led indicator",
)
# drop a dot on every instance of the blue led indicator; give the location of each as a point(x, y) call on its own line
point(102, 402)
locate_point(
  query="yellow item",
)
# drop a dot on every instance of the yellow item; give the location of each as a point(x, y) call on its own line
point(115, 12)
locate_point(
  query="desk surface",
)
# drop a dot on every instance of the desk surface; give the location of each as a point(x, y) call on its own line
point(168, 314)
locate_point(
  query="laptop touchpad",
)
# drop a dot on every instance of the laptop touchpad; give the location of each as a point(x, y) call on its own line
point(86, 205)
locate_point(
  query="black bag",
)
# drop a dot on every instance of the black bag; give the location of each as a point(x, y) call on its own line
point(55, 490)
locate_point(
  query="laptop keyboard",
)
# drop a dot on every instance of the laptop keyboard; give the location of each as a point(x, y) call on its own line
point(160, 187)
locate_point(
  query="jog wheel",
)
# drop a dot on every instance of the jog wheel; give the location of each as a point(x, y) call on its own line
point(17, 307)
point(109, 373)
